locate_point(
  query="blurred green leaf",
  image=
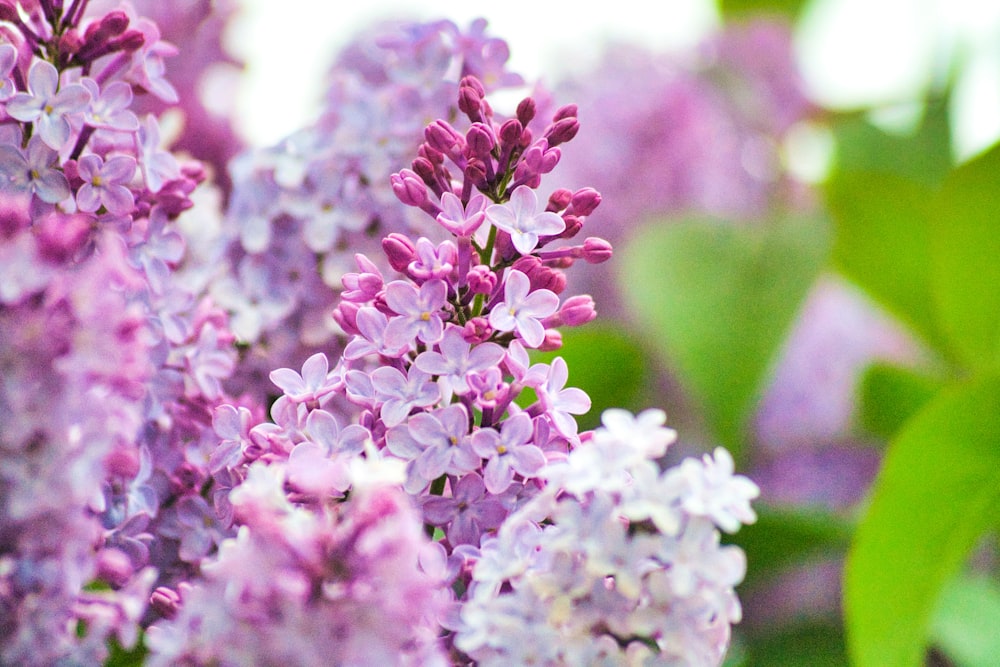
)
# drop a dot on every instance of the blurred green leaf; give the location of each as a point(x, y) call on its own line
point(120, 657)
point(965, 254)
point(923, 155)
point(606, 362)
point(966, 621)
point(715, 299)
point(790, 8)
point(890, 395)
point(813, 645)
point(938, 491)
point(881, 242)
point(784, 536)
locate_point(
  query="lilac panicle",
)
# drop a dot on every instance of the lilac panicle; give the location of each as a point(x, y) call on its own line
point(575, 541)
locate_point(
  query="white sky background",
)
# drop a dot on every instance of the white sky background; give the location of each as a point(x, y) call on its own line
point(853, 52)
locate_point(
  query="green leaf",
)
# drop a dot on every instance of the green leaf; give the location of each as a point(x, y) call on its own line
point(937, 492)
point(789, 8)
point(784, 536)
point(881, 242)
point(606, 362)
point(966, 621)
point(715, 300)
point(890, 395)
point(812, 645)
point(923, 155)
point(965, 248)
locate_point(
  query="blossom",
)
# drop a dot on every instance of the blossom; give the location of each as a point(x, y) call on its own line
point(312, 386)
point(507, 452)
point(35, 170)
point(47, 106)
point(521, 219)
point(455, 359)
point(418, 312)
point(523, 312)
point(104, 184)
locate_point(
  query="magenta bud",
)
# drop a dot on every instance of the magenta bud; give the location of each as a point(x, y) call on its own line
point(114, 23)
point(9, 14)
point(568, 111)
point(596, 250)
point(481, 279)
point(424, 169)
point(70, 42)
point(510, 132)
point(480, 140)
point(473, 83)
point(526, 111)
point(399, 250)
point(573, 226)
point(114, 567)
point(470, 101)
point(443, 137)
point(130, 41)
point(550, 159)
point(475, 171)
point(346, 317)
point(562, 131)
point(165, 601)
point(123, 461)
point(585, 200)
point(408, 188)
point(61, 237)
point(552, 341)
point(432, 155)
point(559, 200)
point(477, 330)
point(577, 310)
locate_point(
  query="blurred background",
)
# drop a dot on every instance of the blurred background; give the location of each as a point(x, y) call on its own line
point(802, 195)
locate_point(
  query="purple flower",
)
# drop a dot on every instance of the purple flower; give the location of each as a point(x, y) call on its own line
point(104, 183)
point(8, 59)
point(109, 108)
point(560, 403)
point(419, 311)
point(522, 312)
point(312, 386)
point(35, 170)
point(400, 393)
point(463, 220)
point(521, 219)
point(373, 325)
point(456, 359)
point(46, 106)
point(436, 443)
point(509, 451)
point(468, 513)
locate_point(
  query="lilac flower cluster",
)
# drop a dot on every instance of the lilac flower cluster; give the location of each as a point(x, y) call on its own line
point(111, 367)
point(531, 539)
point(299, 210)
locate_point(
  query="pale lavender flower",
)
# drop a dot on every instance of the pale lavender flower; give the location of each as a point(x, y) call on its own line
point(105, 184)
point(468, 514)
point(464, 220)
point(418, 312)
point(456, 358)
point(34, 170)
point(559, 402)
point(436, 442)
point(312, 386)
point(372, 325)
point(8, 59)
point(521, 219)
point(523, 312)
point(47, 106)
point(507, 452)
point(400, 393)
point(109, 108)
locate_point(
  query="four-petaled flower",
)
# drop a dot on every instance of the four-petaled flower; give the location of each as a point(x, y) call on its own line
point(48, 107)
point(34, 170)
point(104, 184)
point(521, 219)
point(522, 311)
point(507, 452)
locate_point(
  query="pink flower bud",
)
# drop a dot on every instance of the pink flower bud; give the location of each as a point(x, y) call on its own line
point(510, 132)
point(563, 112)
point(346, 317)
point(596, 250)
point(577, 310)
point(562, 131)
point(585, 200)
point(552, 341)
point(399, 250)
point(408, 187)
point(526, 111)
point(477, 330)
point(480, 140)
point(165, 601)
point(559, 200)
point(481, 279)
point(443, 137)
point(114, 567)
